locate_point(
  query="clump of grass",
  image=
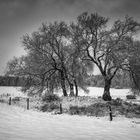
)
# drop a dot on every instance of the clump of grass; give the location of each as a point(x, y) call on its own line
point(16, 99)
point(115, 102)
point(50, 102)
point(119, 107)
point(2, 100)
point(49, 97)
point(131, 97)
point(97, 109)
point(79, 101)
point(48, 107)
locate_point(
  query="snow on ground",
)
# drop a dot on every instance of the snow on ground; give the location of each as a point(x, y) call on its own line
point(97, 91)
point(13, 91)
point(93, 92)
point(20, 124)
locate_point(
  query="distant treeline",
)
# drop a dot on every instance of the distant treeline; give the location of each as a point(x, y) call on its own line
point(119, 81)
point(12, 81)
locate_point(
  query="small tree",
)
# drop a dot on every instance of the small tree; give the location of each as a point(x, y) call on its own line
point(49, 62)
point(107, 47)
point(46, 55)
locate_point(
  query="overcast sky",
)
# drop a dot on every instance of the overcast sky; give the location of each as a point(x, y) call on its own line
point(18, 17)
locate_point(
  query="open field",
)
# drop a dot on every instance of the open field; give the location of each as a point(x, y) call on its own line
point(86, 104)
point(93, 92)
point(12, 91)
point(19, 124)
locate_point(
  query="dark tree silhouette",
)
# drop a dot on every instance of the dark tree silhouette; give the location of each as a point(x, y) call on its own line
point(107, 47)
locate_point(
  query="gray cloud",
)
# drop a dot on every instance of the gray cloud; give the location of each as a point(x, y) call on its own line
point(130, 7)
point(15, 8)
point(18, 17)
point(121, 7)
point(111, 8)
point(19, 9)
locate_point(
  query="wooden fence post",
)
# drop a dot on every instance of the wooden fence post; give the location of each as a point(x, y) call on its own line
point(110, 113)
point(27, 103)
point(10, 100)
point(61, 110)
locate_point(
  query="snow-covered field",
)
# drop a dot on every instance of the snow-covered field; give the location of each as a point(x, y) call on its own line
point(115, 93)
point(20, 124)
point(93, 91)
point(13, 91)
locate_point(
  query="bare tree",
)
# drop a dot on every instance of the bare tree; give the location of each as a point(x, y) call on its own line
point(135, 66)
point(106, 46)
point(47, 56)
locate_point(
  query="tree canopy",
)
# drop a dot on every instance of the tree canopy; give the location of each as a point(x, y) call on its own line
point(107, 47)
point(63, 55)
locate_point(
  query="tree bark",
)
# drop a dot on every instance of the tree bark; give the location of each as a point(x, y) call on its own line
point(76, 88)
point(51, 89)
point(42, 86)
point(63, 84)
point(70, 83)
point(71, 89)
point(106, 94)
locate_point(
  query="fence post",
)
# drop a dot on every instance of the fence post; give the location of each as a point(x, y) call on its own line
point(27, 103)
point(10, 100)
point(110, 113)
point(61, 108)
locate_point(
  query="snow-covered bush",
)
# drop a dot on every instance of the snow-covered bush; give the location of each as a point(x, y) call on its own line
point(50, 97)
point(49, 107)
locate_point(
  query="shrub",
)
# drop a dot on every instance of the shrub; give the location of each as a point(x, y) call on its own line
point(2, 100)
point(49, 107)
point(99, 97)
point(116, 102)
point(15, 99)
point(75, 110)
point(130, 96)
point(48, 97)
point(97, 109)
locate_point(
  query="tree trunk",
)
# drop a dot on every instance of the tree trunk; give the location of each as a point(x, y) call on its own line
point(76, 88)
point(70, 84)
point(106, 94)
point(51, 89)
point(71, 89)
point(63, 84)
point(42, 86)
